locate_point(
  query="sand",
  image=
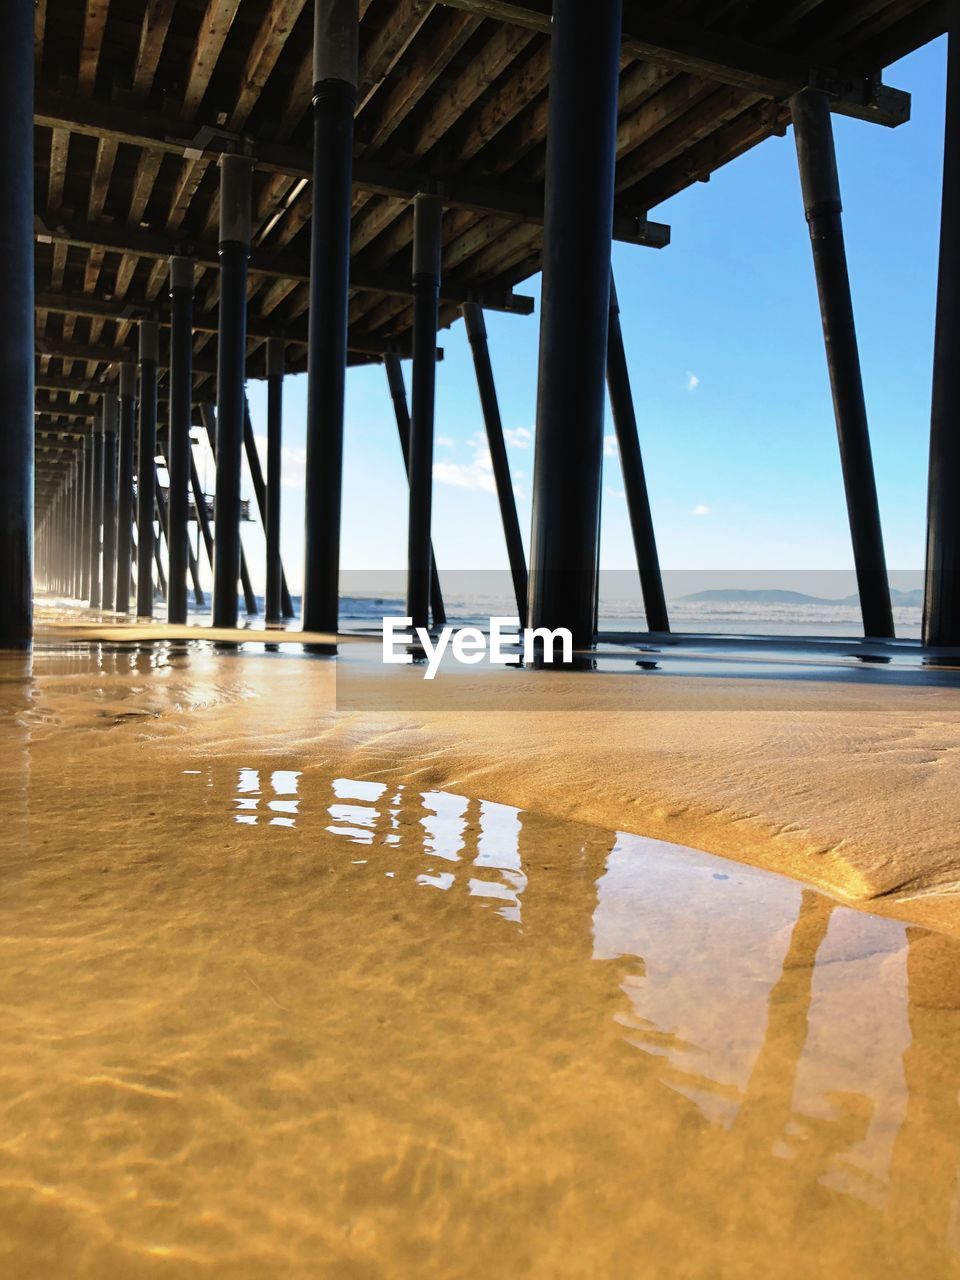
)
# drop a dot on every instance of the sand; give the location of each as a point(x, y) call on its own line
point(852, 786)
point(296, 991)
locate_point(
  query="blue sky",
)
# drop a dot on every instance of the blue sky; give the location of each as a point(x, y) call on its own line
point(726, 358)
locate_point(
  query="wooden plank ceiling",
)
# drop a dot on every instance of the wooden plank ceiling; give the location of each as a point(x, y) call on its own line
point(134, 98)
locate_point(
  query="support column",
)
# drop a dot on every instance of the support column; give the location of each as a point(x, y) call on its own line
point(427, 252)
point(275, 368)
point(96, 512)
point(634, 480)
point(128, 401)
point(160, 515)
point(477, 334)
point(109, 593)
point(260, 493)
point(335, 45)
point(16, 327)
point(234, 252)
point(146, 453)
point(163, 521)
point(813, 130)
point(398, 393)
point(76, 532)
point(208, 414)
point(178, 452)
point(578, 221)
point(200, 506)
point(194, 568)
point(941, 606)
point(87, 535)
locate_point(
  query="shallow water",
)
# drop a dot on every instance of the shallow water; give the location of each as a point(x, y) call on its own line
point(262, 1019)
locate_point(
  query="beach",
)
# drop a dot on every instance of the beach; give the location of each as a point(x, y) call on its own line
point(842, 774)
point(293, 990)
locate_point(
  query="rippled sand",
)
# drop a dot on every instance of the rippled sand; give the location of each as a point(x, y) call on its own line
point(265, 1015)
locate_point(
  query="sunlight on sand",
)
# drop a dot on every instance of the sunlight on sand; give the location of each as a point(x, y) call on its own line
point(266, 1015)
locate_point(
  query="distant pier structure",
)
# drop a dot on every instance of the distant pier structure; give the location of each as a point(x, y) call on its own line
point(198, 192)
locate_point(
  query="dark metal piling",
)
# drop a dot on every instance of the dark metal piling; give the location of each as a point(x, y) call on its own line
point(941, 610)
point(146, 466)
point(234, 250)
point(427, 252)
point(96, 513)
point(178, 449)
point(578, 220)
point(816, 154)
point(209, 417)
point(634, 479)
point(477, 334)
point(16, 326)
point(260, 490)
point(335, 56)
point(109, 592)
point(125, 465)
point(398, 393)
point(274, 603)
point(87, 537)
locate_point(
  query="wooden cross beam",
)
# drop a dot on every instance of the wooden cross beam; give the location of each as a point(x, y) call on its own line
point(264, 262)
point(712, 55)
point(95, 308)
point(156, 134)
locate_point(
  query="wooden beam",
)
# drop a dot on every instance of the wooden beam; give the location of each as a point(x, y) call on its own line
point(39, 31)
point(490, 63)
point(712, 55)
point(682, 132)
point(94, 22)
point(153, 134)
point(390, 108)
point(763, 120)
point(100, 181)
point(94, 353)
point(264, 262)
point(526, 84)
point(59, 151)
point(204, 322)
point(72, 386)
point(55, 408)
point(153, 34)
point(214, 28)
point(390, 41)
point(264, 52)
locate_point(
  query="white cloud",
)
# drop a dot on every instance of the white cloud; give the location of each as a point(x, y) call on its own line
point(445, 442)
point(692, 381)
point(610, 449)
point(518, 437)
point(293, 464)
point(614, 493)
point(476, 474)
point(700, 510)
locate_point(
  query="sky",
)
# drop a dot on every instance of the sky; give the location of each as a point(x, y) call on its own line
point(725, 349)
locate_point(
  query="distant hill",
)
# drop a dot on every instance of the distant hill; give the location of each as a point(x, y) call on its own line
point(772, 595)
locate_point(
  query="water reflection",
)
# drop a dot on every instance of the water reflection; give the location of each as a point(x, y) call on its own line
point(432, 825)
point(418, 1025)
point(810, 1034)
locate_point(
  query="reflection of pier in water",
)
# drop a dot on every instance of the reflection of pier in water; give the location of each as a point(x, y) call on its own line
point(810, 1046)
point(589, 1026)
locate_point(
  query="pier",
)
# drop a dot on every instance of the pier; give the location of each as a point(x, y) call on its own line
point(175, 250)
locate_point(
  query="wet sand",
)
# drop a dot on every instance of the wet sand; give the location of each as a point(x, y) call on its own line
point(844, 775)
point(296, 992)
